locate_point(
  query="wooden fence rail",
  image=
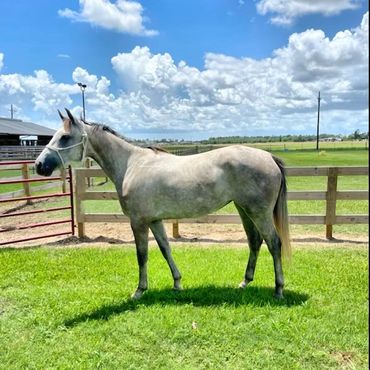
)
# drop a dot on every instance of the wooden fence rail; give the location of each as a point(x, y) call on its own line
point(8, 153)
point(331, 195)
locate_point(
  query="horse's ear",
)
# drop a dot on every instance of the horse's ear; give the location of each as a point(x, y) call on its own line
point(70, 116)
point(66, 122)
point(61, 115)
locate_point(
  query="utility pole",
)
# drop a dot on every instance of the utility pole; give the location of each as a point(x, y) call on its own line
point(318, 122)
point(83, 87)
point(12, 110)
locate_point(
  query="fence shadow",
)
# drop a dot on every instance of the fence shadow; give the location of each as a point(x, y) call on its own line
point(204, 296)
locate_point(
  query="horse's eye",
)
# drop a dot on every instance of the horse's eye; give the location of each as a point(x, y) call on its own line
point(64, 138)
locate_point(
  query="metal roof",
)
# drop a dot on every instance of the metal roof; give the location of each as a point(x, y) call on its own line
point(18, 127)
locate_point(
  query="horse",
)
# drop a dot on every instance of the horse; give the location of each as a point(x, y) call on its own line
point(154, 185)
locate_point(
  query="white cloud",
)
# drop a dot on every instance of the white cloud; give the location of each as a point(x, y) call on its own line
point(38, 93)
point(228, 96)
point(243, 93)
point(1, 60)
point(285, 12)
point(64, 56)
point(122, 16)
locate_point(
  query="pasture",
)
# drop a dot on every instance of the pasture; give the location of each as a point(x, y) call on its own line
point(308, 146)
point(70, 308)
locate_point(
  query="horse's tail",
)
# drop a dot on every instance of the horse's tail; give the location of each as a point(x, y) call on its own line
point(281, 213)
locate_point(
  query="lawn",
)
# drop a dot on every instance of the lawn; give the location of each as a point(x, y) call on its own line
point(277, 146)
point(69, 309)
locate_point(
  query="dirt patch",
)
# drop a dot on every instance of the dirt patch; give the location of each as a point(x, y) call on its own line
point(344, 359)
point(107, 234)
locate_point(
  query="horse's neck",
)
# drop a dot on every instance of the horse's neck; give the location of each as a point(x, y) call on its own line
point(111, 153)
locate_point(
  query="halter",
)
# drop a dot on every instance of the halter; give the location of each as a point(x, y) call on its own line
point(83, 142)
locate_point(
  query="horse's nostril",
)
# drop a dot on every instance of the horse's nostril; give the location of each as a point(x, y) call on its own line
point(39, 168)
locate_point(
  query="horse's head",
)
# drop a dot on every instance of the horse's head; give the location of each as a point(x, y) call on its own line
point(67, 145)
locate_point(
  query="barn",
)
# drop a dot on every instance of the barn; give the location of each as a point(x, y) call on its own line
point(17, 132)
point(21, 139)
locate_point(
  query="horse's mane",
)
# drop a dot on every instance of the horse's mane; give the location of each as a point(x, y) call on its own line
point(157, 149)
point(99, 126)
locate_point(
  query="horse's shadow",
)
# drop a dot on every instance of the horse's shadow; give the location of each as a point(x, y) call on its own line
point(199, 296)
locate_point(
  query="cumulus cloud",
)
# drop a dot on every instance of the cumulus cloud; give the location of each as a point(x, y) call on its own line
point(38, 93)
point(227, 96)
point(122, 16)
point(243, 92)
point(285, 12)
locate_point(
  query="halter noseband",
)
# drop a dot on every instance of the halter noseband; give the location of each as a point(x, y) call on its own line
point(83, 142)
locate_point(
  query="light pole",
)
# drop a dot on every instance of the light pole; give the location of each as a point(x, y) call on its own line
point(318, 122)
point(83, 87)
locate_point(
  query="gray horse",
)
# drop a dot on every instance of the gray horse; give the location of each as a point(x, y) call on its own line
point(154, 185)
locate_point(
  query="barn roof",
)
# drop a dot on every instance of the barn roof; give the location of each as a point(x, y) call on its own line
point(19, 127)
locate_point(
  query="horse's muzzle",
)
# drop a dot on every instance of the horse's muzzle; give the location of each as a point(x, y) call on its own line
point(44, 169)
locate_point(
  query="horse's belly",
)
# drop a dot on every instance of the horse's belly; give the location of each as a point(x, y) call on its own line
point(184, 202)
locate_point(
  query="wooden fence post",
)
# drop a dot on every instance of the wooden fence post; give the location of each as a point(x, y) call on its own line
point(88, 165)
point(26, 185)
point(331, 201)
point(63, 177)
point(175, 230)
point(79, 191)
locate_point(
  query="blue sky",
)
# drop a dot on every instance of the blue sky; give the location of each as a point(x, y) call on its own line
point(188, 69)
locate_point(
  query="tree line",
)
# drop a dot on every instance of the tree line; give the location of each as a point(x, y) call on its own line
point(356, 135)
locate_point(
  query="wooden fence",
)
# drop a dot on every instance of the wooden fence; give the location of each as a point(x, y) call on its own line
point(8, 153)
point(330, 195)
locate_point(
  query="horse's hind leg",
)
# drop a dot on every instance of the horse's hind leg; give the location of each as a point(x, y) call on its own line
point(254, 242)
point(160, 235)
point(141, 240)
point(267, 229)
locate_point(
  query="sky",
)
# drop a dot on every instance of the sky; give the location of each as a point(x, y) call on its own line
point(188, 69)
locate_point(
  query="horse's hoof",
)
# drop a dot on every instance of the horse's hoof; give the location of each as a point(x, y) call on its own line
point(278, 296)
point(177, 284)
point(178, 288)
point(138, 294)
point(242, 285)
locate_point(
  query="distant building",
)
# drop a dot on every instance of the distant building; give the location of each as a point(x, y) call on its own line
point(332, 139)
point(15, 132)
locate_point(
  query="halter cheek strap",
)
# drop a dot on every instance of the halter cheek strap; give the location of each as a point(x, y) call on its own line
point(83, 142)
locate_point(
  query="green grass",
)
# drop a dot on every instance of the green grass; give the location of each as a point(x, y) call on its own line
point(325, 158)
point(69, 309)
point(279, 146)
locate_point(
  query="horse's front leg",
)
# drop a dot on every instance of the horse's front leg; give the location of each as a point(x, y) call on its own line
point(141, 231)
point(160, 235)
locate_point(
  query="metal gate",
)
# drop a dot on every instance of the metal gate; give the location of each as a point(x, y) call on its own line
point(28, 198)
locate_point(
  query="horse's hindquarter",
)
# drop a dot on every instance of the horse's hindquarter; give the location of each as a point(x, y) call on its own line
point(164, 186)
